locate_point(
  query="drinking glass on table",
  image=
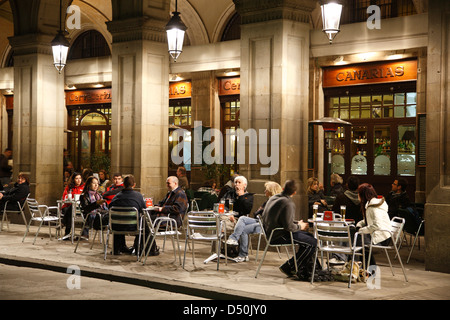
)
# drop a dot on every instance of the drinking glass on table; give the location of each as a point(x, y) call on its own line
point(343, 210)
point(230, 205)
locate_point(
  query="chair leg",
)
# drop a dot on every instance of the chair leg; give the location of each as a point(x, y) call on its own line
point(389, 260)
point(185, 247)
point(40, 225)
point(26, 231)
point(401, 263)
point(262, 259)
point(79, 237)
point(314, 267)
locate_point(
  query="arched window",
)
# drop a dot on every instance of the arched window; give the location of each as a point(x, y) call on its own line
point(89, 44)
point(232, 30)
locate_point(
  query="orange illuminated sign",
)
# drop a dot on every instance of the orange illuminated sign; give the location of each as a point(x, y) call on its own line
point(179, 90)
point(88, 96)
point(229, 86)
point(370, 73)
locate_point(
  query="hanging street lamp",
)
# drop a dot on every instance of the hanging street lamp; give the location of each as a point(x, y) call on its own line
point(175, 29)
point(331, 17)
point(60, 46)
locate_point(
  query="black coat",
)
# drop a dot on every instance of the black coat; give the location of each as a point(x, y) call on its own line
point(19, 193)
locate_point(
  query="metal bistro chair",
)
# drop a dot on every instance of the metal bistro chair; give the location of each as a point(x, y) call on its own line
point(102, 228)
point(6, 210)
point(41, 213)
point(261, 235)
point(395, 232)
point(335, 237)
point(157, 230)
point(203, 226)
point(124, 221)
point(277, 245)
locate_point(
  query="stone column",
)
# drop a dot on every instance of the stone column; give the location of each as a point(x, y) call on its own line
point(38, 121)
point(437, 207)
point(140, 94)
point(274, 89)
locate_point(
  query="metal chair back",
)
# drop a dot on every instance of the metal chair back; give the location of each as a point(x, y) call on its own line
point(124, 221)
point(276, 245)
point(203, 226)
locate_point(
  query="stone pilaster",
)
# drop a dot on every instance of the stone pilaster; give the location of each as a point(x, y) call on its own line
point(38, 120)
point(274, 89)
point(437, 208)
point(140, 99)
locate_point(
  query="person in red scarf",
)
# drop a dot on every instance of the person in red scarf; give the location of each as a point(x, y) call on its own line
point(74, 186)
point(113, 189)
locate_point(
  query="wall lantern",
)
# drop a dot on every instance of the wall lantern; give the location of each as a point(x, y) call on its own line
point(175, 29)
point(331, 17)
point(60, 46)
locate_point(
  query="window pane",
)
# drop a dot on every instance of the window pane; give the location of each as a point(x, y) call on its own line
point(411, 111)
point(406, 157)
point(334, 102)
point(399, 112)
point(388, 112)
point(411, 98)
point(399, 98)
point(382, 150)
point(365, 113)
point(388, 99)
point(358, 150)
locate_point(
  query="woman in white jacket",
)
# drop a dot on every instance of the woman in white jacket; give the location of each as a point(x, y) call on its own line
point(376, 218)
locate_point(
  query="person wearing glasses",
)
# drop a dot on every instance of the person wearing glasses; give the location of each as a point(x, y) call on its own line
point(398, 198)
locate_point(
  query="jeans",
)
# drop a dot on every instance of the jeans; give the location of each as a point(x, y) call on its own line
point(243, 228)
point(306, 247)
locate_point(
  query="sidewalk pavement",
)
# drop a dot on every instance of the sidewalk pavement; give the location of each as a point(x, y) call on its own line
point(232, 281)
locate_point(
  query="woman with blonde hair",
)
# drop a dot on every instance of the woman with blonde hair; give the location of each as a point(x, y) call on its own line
point(315, 196)
point(247, 225)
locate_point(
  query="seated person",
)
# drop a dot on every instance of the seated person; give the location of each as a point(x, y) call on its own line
point(103, 181)
point(315, 197)
point(228, 186)
point(209, 186)
point(247, 225)
point(182, 178)
point(18, 192)
point(113, 189)
point(175, 203)
point(91, 202)
point(74, 186)
point(336, 185)
point(242, 201)
point(280, 213)
point(130, 198)
point(376, 218)
point(398, 198)
point(350, 200)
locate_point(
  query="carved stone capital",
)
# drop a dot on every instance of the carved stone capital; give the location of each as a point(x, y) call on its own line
point(141, 28)
point(31, 44)
point(253, 11)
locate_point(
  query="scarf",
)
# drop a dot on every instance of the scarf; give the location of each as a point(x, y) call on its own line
point(94, 196)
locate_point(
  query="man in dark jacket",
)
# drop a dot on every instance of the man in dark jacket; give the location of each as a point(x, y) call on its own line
point(130, 198)
point(398, 198)
point(175, 203)
point(19, 193)
point(280, 213)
